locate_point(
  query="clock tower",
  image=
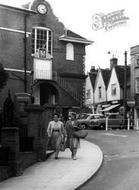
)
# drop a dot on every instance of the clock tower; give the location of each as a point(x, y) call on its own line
point(40, 6)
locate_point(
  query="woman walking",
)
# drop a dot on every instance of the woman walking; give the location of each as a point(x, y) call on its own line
point(56, 134)
point(72, 142)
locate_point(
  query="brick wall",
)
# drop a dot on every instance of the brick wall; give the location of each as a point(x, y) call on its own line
point(11, 42)
point(12, 51)
point(5, 172)
point(28, 158)
point(15, 85)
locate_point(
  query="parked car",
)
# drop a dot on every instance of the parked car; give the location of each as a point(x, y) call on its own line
point(115, 120)
point(81, 115)
point(85, 119)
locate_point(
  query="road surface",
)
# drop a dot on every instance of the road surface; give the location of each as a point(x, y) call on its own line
point(120, 169)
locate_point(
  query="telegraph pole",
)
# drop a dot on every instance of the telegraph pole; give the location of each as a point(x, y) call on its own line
point(125, 88)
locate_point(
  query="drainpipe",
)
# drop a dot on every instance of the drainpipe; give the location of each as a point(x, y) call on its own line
point(25, 53)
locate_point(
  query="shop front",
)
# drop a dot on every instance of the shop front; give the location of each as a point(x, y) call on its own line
point(136, 112)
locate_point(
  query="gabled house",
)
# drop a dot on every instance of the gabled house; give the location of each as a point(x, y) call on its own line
point(100, 93)
point(115, 90)
point(115, 86)
point(89, 88)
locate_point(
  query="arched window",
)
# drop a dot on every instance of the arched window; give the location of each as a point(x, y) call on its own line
point(69, 51)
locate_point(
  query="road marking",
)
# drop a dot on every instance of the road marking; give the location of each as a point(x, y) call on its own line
point(111, 157)
point(112, 134)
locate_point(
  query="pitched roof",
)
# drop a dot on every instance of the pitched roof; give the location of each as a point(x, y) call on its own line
point(73, 34)
point(93, 78)
point(106, 76)
point(24, 9)
point(73, 37)
point(120, 74)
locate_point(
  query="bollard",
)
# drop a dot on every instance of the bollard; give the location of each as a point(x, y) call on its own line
point(106, 124)
point(128, 124)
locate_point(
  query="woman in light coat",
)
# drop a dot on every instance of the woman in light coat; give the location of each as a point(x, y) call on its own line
point(56, 134)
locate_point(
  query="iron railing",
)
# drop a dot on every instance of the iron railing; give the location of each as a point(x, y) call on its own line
point(67, 87)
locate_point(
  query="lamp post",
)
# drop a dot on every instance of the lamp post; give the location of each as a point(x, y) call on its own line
point(125, 88)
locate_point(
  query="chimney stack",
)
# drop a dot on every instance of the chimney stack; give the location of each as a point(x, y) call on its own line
point(93, 70)
point(113, 62)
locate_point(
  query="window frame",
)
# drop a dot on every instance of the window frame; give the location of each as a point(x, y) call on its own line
point(34, 46)
point(88, 94)
point(100, 92)
point(137, 62)
point(137, 85)
point(113, 89)
point(68, 49)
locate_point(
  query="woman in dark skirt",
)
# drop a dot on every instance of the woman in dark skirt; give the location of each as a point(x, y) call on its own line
point(72, 142)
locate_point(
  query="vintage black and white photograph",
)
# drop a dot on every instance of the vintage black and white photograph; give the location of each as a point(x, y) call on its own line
point(69, 95)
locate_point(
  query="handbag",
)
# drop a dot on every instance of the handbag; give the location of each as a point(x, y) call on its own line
point(63, 145)
point(80, 134)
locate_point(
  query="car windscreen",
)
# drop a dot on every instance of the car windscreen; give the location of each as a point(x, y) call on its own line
point(83, 116)
point(97, 117)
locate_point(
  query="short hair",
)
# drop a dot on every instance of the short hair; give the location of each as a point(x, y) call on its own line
point(56, 114)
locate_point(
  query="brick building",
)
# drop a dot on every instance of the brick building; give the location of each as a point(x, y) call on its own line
point(42, 57)
point(134, 101)
point(12, 48)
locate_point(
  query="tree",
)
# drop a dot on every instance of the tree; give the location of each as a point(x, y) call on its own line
point(3, 77)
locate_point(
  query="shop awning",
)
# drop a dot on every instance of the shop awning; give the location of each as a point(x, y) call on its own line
point(105, 105)
point(111, 107)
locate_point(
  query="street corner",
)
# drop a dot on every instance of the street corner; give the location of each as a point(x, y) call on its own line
point(89, 160)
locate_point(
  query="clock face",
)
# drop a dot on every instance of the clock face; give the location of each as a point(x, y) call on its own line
point(42, 9)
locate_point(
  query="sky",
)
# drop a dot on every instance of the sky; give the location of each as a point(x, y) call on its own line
point(77, 16)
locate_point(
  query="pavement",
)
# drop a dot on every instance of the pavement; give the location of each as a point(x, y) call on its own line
point(61, 174)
